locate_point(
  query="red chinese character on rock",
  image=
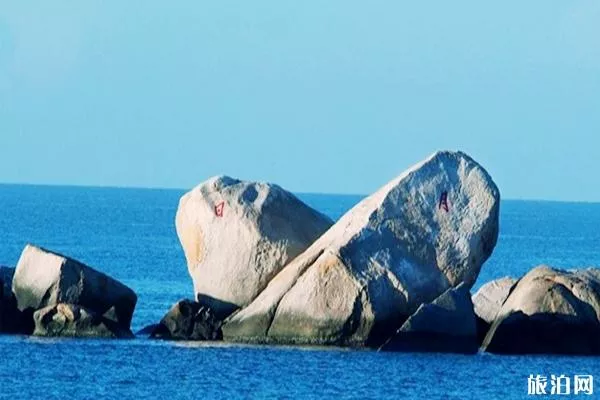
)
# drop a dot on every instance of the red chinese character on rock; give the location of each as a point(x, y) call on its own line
point(444, 202)
point(219, 209)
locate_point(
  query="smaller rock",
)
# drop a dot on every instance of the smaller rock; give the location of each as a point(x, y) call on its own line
point(189, 320)
point(549, 311)
point(487, 302)
point(489, 298)
point(44, 278)
point(70, 320)
point(446, 325)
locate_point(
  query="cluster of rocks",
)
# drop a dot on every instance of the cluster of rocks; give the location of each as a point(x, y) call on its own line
point(188, 320)
point(426, 231)
point(54, 295)
point(279, 272)
point(394, 273)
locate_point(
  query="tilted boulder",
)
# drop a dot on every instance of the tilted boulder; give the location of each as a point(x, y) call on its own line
point(238, 235)
point(69, 320)
point(188, 320)
point(446, 325)
point(550, 311)
point(44, 278)
point(428, 230)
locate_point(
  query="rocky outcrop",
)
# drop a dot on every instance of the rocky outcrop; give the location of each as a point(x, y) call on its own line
point(62, 296)
point(424, 232)
point(549, 311)
point(189, 320)
point(238, 235)
point(69, 320)
point(446, 325)
point(489, 298)
point(44, 278)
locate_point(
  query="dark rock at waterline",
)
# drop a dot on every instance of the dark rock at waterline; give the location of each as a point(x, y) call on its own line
point(446, 325)
point(543, 333)
point(549, 311)
point(43, 278)
point(147, 330)
point(6, 277)
point(69, 320)
point(12, 320)
point(189, 320)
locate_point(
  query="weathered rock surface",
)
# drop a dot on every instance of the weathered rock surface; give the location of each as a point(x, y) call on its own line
point(238, 235)
point(69, 320)
point(445, 325)
point(428, 230)
point(549, 311)
point(43, 278)
point(189, 320)
point(489, 298)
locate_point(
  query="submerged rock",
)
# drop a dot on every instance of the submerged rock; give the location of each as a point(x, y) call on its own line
point(424, 232)
point(69, 320)
point(446, 325)
point(44, 278)
point(147, 330)
point(188, 320)
point(237, 235)
point(549, 311)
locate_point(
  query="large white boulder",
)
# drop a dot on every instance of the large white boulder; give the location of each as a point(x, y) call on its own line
point(428, 230)
point(238, 235)
point(44, 278)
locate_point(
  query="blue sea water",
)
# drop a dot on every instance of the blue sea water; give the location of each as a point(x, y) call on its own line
point(130, 235)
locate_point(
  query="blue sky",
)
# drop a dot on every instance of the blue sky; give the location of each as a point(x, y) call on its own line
point(336, 96)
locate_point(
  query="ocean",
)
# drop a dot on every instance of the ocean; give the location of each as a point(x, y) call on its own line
point(130, 235)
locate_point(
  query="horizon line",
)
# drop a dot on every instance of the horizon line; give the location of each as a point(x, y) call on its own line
point(117, 187)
